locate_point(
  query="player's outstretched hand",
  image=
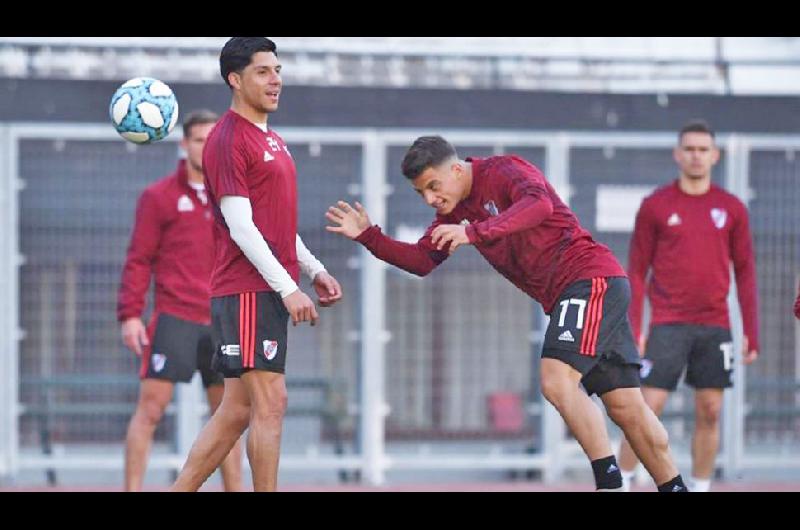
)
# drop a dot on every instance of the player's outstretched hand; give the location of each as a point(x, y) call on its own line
point(134, 335)
point(328, 289)
point(348, 221)
point(454, 235)
point(301, 308)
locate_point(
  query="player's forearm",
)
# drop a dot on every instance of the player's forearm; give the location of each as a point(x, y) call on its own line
point(238, 215)
point(409, 257)
point(748, 302)
point(524, 214)
point(309, 264)
point(133, 286)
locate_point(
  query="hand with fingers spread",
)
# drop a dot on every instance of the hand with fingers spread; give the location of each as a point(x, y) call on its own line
point(349, 221)
point(454, 235)
point(301, 308)
point(328, 289)
point(134, 335)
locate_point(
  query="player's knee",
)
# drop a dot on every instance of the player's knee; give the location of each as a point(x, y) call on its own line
point(271, 411)
point(554, 390)
point(238, 415)
point(151, 411)
point(708, 415)
point(625, 414)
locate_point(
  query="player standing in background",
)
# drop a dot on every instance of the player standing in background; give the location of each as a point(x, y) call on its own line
point(505, 208)
point(688, 232)
point(252, 184)
point(172, 241)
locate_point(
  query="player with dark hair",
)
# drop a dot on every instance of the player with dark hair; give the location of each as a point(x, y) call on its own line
point(252, 186)
point(687, 234)
point(172, 241)
point(505, 208)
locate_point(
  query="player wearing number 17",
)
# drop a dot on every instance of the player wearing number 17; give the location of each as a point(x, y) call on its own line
point(505, 208)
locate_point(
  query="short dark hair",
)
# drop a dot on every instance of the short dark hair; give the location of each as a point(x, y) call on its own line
point(198, 117)
point(238, 52)
point(426, 152)
point(699, 126)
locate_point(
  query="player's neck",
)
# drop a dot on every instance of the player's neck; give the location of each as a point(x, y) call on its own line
point(194, 176)
point(249, 113)
point(692, 186)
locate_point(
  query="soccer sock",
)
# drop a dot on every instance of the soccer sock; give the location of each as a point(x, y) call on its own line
point(606, 473)
point(700, 485)
point(627, 479)
point(675, 485)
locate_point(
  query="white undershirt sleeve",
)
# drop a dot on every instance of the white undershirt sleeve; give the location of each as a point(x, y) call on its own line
point(310, 265)
point(238, 214)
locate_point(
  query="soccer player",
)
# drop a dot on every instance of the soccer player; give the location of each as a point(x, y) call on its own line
point(252, 185)
point(172, 241)
point(688, 233)
point(505, 208)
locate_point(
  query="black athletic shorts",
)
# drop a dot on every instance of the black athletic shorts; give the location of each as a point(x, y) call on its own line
point(589, 330)
point(250, 333)
point(177, 348)
point(706, 352)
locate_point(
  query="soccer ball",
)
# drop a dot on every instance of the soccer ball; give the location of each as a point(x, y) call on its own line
point(144, 110)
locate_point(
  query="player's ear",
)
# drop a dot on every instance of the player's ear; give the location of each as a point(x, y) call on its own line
point(715, 155)
point(235, 80)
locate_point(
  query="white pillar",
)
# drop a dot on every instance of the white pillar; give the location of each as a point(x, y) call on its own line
point(373, 322)
point(734, 406)
point(189, 411)
point(10, 333)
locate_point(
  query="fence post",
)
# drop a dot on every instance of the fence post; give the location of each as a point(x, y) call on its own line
point(373, 327)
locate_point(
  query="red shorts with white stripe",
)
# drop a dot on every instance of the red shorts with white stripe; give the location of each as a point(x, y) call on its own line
point(589, 325)
point(250, 333)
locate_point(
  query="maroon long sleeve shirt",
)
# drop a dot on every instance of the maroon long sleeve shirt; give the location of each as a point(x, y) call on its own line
point(689, 242)
point(518, 223)
point(172, 241)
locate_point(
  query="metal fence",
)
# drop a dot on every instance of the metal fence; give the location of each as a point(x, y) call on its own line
point(440, 373)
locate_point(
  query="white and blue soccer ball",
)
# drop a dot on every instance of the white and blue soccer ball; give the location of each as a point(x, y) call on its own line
point(144, 110)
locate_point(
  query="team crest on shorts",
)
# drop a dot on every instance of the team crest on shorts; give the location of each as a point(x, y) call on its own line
point(644, 371)
point(158, 360)
point(270, 349)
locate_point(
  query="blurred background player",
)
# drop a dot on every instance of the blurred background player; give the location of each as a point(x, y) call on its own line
point(505, 208)
point(259, 255)
point(688, 232)
point(172, 241)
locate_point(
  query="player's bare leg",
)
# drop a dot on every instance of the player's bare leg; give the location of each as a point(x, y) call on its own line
point(231, 467)
point(647, 436)
point(154, 396)
point(705, 442)
point(218, 436)
point(561, 387)
point(267, 392)
point(656, 399)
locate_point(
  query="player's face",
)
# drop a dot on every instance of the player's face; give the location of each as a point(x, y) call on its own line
point(441, 187)
point(696, 155)
point(194, 143)
point(260, 82)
